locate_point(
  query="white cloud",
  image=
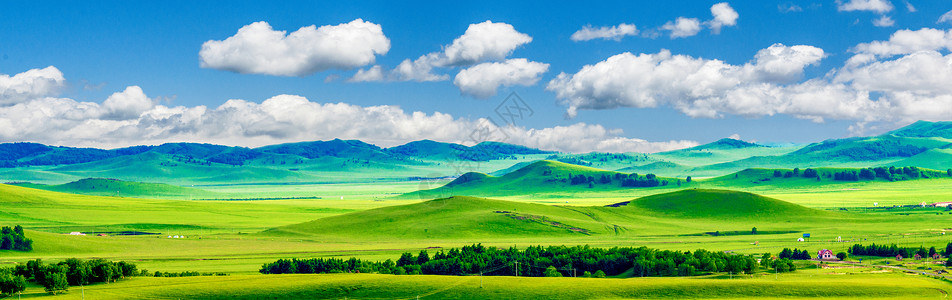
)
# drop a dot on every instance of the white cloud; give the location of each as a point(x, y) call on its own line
point(615, 33)
point(878, 6)
point(735, 136)
point(946, 17)
point(789, 7)
point(724, 15)
point(30, 84)
point(923, 72)
point(374, 73)
point(581, 137)
point(873, 87)
point(259, 49)
point(697, 87)
point(486, 41)
point(910, 7)
point(884, 21)
point(903, 42)
point(129, 118)
point(482, 42)
point(125, 105)
point(483, 80)
point(682, 27)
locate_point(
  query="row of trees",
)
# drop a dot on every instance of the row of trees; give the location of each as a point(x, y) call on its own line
point(14, 239)
point(893, 250)
point(533, 261)
point(890, 174)
point(56, 278)
point(627, 180)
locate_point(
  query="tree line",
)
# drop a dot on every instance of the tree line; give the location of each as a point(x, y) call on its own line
point(890, 174)
point(57, 278)
point(14, 239)
point(532, 261)
point(893, 250)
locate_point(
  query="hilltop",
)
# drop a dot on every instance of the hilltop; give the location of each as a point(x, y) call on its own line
point(924, 129)
point(719, 204)
point(544, 176)
point(472, 217)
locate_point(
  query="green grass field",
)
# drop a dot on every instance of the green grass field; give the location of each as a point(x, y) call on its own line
point(803, 284)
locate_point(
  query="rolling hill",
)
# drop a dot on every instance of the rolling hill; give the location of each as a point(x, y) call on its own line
point(115, 187)
point(719, 204)
point(539, 177)
point(461, 217)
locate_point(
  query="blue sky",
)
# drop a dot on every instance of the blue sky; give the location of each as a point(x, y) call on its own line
point(103, 48)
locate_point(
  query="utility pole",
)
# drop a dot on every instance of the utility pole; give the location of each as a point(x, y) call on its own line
point(573, 272)
point(517, 268)
point(480, 279)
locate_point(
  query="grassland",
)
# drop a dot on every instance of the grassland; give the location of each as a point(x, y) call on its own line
point(803, 284)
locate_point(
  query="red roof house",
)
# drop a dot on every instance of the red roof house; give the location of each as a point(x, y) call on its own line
point(825, 254)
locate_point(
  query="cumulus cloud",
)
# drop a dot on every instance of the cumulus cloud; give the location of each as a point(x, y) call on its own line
point(259, 49)
point(486, 41)
point(946, 17)
point(483, 80)
point(902, 42)
point(877, 6)
point(125, 105)
point(481, 42)
point(724, 15)
point(695, 86)
point(615, 33)
point(884, 21)
point(900, 80)
point(581, 137)
point(682, 27)
point(129, 117)
point(30, 84)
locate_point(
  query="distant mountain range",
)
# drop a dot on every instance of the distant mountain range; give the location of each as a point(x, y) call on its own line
point(922, 144)
point(33, 154)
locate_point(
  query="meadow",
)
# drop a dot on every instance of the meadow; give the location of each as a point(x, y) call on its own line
point(235, 227)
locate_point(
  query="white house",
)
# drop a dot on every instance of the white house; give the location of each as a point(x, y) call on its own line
point(76, 233)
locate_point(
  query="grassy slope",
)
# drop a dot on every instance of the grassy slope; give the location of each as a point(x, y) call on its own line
point(538, 177)
point(60, 212)
point(371, 286)
point(112, 187)
point(468, 217)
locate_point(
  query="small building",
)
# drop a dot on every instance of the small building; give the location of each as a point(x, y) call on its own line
point(936, 256)
point(101, 234)
point(899, 257)
point(917, 256)
point(799, 239)
point(76, 233)
point(825, 254)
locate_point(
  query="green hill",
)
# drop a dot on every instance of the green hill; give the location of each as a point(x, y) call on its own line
point(115, 187)
point(461, 217)
point(449, 218)
point(720, 204)
point(925, 129)
point(726, 143)
point(542, 176)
